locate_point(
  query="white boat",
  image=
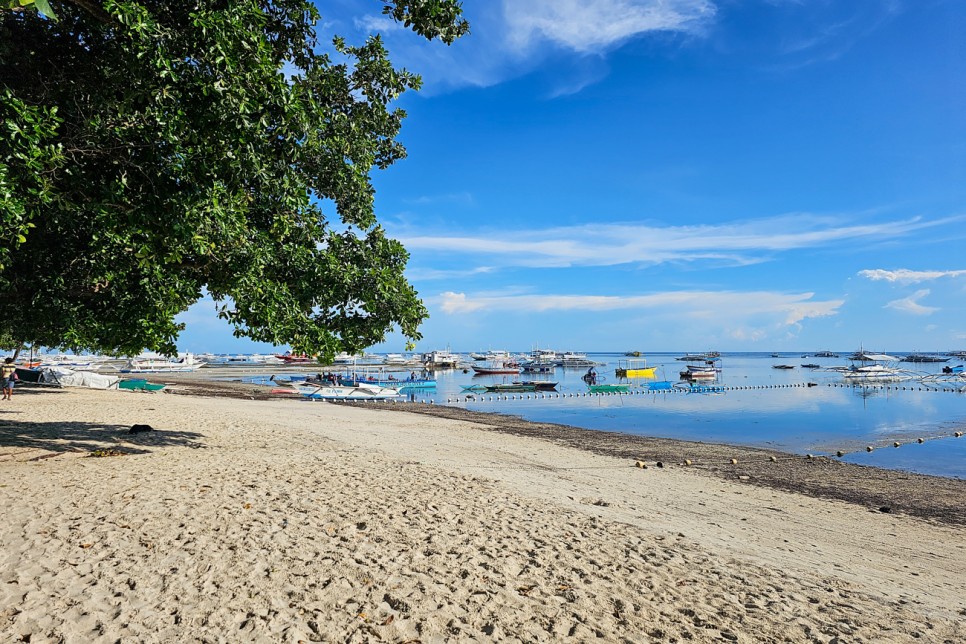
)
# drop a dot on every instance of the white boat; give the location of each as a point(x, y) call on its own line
point(360, 391)
point(148, 365)
point(440, 360)
point(873, 367)
point(574, 360)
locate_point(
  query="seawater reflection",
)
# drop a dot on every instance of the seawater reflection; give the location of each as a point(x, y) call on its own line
point(761, 406)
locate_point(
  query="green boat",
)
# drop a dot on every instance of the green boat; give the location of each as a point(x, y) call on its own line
point(139, 384)
point(615, 388)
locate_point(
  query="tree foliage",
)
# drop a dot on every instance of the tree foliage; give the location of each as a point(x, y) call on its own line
point(151, 150)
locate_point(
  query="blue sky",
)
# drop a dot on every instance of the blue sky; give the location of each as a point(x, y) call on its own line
point(674, 175)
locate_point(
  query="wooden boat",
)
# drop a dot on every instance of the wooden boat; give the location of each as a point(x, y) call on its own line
point(382, 380)
point(187, 363)
point(783, 366)
point(139, 384)
point(520, 386)
point(634, 369)
point(342, 392)
point(487, 370)
point(612, 388)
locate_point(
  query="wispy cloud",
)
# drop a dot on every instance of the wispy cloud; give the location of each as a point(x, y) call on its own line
point(911, 304)
point(613, 244)
point(461, 198)
point(906, 276)
point(427, 274)
point(591, 25)
point(788, 309)
point(512, 39)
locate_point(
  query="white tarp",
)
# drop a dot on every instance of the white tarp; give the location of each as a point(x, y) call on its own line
point(63, 377)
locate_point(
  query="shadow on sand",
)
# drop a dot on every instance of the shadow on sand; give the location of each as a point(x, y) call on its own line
point(76, 436)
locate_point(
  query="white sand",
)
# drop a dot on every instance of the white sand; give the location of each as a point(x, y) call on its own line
point(288, 521)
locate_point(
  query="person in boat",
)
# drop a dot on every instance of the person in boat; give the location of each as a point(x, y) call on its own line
point(591, 376)
point(412, 375)
point(8, 375)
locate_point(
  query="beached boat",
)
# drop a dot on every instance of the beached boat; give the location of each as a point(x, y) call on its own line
point(318, 391)
point(139, 384)
point(186, 363)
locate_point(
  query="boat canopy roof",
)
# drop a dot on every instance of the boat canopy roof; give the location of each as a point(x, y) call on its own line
point(879, 356)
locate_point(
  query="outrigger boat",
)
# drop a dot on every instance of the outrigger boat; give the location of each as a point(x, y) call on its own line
point(521, 386)
point(612, 388)
point(634, 369)
point(316, 391)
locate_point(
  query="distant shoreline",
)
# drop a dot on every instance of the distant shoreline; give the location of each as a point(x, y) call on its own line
point(929, 497)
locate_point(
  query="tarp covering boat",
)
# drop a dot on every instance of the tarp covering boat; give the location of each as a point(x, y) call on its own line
point(63, 377)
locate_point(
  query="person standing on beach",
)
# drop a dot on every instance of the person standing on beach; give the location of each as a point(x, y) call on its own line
point(8, 373)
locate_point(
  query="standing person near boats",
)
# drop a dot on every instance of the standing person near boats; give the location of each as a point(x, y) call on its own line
point(8, 374)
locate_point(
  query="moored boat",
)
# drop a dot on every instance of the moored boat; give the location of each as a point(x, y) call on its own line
point(317, 391)
point(609, 388)
point(186, 363)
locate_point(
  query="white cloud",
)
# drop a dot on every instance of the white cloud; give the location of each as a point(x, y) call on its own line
point(906, 276)
point(787, 309)
point(511, 39)
point(614, 244)
point(911, 305)
point(591, 25)
point(424, 274)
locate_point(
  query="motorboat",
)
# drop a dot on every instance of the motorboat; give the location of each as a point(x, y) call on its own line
point(494, 369)
point(362, 391)
point(873, 367)
point(149, 365)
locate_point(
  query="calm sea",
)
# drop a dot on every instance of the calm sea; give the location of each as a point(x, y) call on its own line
point(757, 405)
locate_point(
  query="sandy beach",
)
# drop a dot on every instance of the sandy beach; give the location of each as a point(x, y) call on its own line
point(278, 520)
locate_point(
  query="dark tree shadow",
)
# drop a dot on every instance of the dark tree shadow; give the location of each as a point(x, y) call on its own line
point(78, 436)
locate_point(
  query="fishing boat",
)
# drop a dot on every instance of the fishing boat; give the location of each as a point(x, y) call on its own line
point(411, 381)
point(921, 357)
point(535, 366)
point(825, 354)
point(634, 369)
point(783, 366)
point(319, 391)
point(873, 367)
point(440, 360)
point(571, 360)
point(494, 369)
point(609, 388)
point(295, 358)
point(186, 363)
point(707, 371)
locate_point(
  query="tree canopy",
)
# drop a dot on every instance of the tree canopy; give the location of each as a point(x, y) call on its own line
point(152, 150)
